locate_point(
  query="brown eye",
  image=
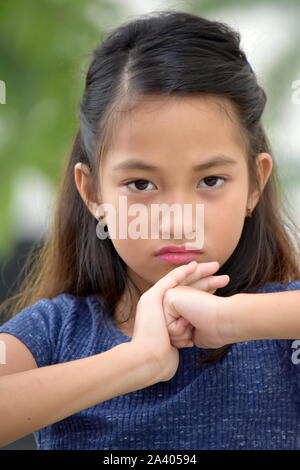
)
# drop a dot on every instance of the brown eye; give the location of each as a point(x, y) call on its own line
point(140, 185)
point(210, 181)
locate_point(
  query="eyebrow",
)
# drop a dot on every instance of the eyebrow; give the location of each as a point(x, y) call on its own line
point(216, 160)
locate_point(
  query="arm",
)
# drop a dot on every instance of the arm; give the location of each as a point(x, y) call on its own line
point(36, 398)
point(273, 315)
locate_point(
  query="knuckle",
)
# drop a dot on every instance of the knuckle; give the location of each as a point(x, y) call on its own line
point(168, 295)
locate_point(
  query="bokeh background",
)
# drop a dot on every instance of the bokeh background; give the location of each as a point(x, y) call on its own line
point(45, 48)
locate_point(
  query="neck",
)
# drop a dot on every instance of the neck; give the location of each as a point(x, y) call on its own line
point(124, 313)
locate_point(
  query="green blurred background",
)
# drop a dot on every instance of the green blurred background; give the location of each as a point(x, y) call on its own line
point(45, 47)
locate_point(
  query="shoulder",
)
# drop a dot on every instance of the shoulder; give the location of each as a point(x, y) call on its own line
point(48, 312)
point(48, 325)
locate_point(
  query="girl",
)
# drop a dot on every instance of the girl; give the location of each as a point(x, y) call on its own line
point(107, 335)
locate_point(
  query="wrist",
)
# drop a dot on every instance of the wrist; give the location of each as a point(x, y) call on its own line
point(246, 318)
point(147, 366)
point(232, 328)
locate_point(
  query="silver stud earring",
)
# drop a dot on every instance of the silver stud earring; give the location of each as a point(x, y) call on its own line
point(100, 229)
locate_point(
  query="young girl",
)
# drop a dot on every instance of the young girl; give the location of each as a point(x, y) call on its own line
point(113, 345)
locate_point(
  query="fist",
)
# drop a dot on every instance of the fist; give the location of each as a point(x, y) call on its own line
point(178, 302)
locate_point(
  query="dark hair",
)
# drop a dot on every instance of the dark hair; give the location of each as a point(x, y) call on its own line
point(165, 53)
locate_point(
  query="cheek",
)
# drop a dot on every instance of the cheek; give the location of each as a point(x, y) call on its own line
point(224, 224)
point(228, 217)
point(131, 251)
point(125, 247)
point(139, 266)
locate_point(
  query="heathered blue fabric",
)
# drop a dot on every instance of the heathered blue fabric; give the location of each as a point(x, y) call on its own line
point(250, 399)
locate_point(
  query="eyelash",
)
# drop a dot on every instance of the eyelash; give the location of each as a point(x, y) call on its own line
point(143, 191)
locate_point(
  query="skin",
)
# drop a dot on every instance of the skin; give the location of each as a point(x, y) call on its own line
point(175, 135)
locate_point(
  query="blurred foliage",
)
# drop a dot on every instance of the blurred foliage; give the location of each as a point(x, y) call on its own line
point(284, 67)
point(277, 79)
point(45, 47)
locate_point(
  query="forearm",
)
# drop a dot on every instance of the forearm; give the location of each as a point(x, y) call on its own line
point(39, 397)
point(273, 315)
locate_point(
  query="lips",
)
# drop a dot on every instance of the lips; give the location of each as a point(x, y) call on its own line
point(176, 249)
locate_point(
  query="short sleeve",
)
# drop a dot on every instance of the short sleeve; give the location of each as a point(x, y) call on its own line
point(293, 285)
point(289, 349)
point(277, 287)
point(294, 346)
point(37, 326)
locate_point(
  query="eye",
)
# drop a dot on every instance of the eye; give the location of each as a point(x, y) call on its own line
point(141, 183)
point(211, 179)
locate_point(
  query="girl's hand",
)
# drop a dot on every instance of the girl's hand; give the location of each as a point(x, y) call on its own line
point(150, 331)
point(200, 309)
point(180, 329)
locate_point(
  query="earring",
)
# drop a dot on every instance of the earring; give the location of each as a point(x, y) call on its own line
point(249, 213)
point(100, 229)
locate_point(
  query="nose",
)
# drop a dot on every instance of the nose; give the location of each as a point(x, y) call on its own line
point(182, 221)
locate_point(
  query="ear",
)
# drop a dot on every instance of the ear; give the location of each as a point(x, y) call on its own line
point(81, 176)
point(264, 165)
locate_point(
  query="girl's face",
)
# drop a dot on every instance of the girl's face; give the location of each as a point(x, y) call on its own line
point(174, 136)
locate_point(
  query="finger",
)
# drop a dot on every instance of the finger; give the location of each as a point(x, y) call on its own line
point(183, 338)
point(179, 327)
point(185, 322)
point(174, 277)
point(202, 270)
point(211, 283)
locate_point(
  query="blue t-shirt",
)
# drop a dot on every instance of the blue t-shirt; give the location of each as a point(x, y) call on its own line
point(250, 399)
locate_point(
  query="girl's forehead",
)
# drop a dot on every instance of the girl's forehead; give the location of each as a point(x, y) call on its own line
point(150, 109)
point(184, 126)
